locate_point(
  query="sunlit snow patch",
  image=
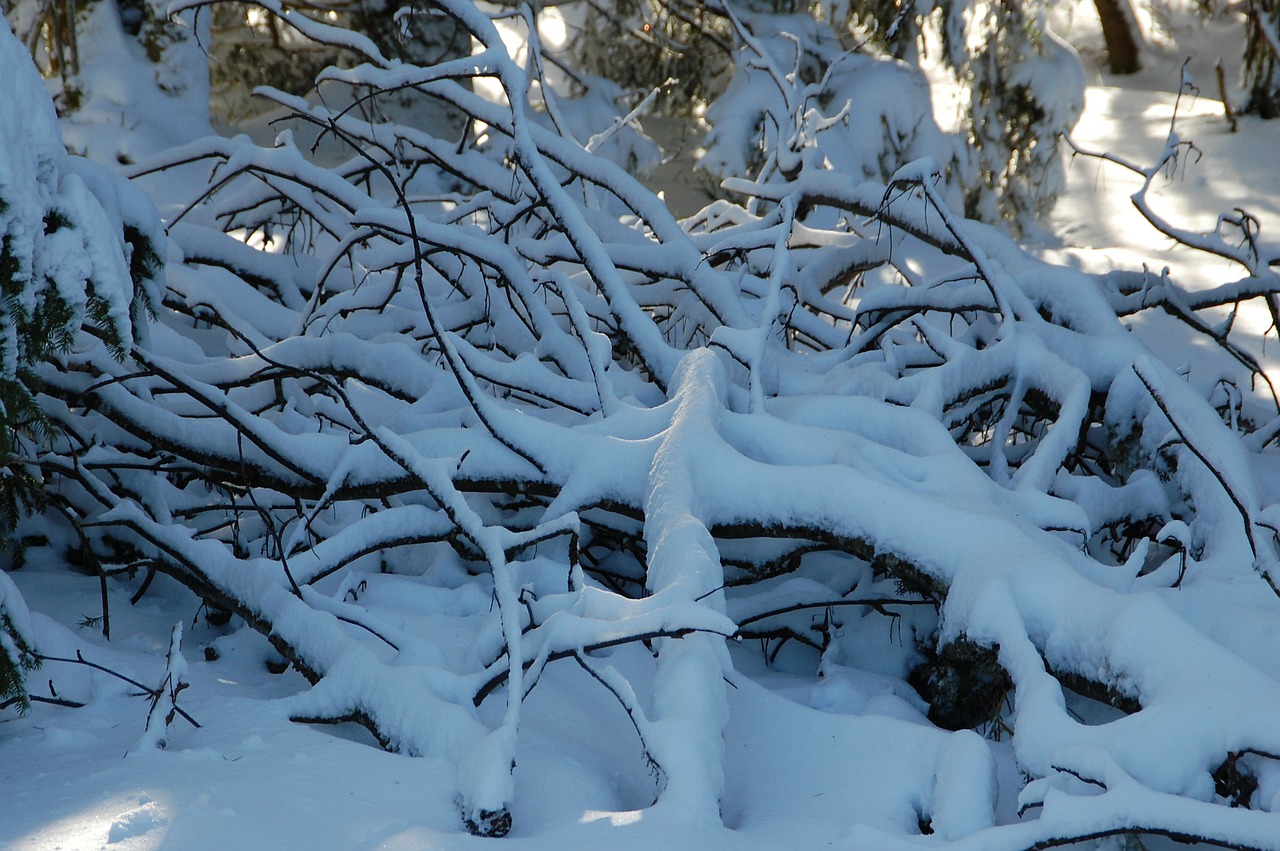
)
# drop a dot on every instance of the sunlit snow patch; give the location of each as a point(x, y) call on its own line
point(134, 823)
point(619, 819)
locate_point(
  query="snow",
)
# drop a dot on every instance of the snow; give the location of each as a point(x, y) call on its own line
point(133, 105)
point(512, 683)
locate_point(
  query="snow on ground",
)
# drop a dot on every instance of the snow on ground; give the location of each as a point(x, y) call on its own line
point(74, 779)
point(1100, 229)
point(1130, 117)
point(1096, 227)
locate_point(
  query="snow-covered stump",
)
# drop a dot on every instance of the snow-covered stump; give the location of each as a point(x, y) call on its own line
point(690, 706)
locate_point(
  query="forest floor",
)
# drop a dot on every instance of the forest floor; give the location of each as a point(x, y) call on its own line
point(803, 756)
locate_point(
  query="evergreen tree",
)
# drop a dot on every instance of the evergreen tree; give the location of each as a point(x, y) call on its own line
point(17, 654)
point(251, 49)
point(127, 79)
point(79, 247)
point(1024, 84)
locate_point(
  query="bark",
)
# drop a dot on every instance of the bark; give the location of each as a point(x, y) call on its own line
point(1262, 55)
point(1119, 28)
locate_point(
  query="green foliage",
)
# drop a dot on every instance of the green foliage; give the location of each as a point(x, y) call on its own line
point(1013, 125)
point(78, 247)
point(38, 322)
point(640, 44)
point(17, 656)
point(251, 50)
point(1017, 75)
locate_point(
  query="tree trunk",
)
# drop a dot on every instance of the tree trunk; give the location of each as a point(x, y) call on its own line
point(1262, 58)
point(1119, 28)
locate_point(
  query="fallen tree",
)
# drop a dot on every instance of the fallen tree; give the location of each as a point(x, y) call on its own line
point(819, 396)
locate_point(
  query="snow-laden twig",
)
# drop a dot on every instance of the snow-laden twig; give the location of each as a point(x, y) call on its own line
point(164, 697)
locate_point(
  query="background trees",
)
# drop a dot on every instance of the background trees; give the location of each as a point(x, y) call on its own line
point(1022, 84)
point(1120, 29)
point(1262, 52)
point(450, 418)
